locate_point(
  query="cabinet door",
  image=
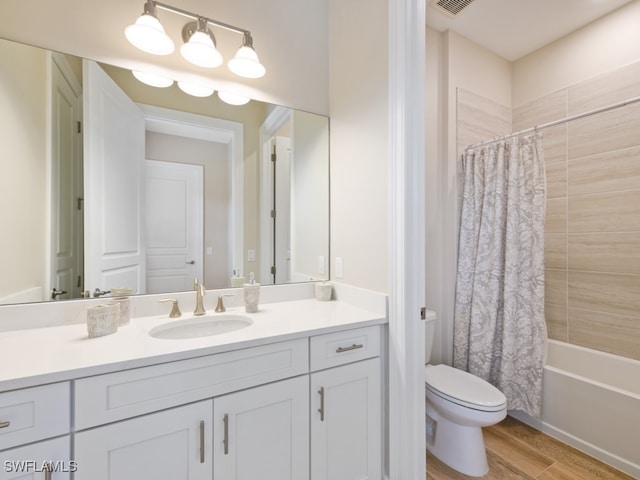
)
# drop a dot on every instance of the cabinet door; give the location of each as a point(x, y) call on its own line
point(168, 445)
point(263, 432)
point(346, 422)
point(28, 462)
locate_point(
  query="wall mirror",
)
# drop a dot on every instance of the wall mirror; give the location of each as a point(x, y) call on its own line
point(111, 183)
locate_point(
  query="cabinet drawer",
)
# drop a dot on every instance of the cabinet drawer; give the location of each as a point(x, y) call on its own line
point(33, 414)
point(27, 462)
point(115, 396)
point(339, 348)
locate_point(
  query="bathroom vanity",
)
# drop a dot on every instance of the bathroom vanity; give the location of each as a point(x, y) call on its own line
point(297, 394)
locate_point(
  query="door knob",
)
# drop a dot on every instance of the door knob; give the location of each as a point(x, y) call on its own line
point(55, 292)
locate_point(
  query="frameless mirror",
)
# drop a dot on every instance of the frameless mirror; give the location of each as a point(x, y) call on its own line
point(110, 183)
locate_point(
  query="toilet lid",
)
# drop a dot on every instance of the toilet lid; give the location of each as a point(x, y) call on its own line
point(463, 388)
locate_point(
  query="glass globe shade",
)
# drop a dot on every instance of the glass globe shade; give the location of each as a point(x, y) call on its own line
point(148, 35)
point(246, 63)
point(195, 90)
point(152, 79)
point(201, 51)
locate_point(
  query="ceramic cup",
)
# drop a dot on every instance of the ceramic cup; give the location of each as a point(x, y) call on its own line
point(125, 311)
point(323, 291)
point(102, 319)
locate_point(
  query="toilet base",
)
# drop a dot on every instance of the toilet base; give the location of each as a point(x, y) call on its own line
point(460, 447)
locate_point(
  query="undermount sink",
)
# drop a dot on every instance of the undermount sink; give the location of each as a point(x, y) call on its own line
point(205, 326)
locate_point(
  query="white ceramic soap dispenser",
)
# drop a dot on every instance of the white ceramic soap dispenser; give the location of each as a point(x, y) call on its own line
point(251, 295)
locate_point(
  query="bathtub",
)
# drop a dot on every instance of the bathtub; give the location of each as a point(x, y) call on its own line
point(591, 400)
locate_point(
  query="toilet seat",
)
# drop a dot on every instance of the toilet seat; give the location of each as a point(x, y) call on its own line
point(463, 388)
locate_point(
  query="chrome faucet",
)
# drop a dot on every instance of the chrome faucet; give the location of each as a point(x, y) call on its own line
point(200, 293)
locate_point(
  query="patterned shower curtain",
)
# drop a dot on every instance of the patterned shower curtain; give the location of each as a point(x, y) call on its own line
point(500, 332)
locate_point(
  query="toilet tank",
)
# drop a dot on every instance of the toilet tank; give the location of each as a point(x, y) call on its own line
point(429, 333)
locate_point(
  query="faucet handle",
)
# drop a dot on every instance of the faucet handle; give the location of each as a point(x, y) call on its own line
point(220, 306)
point(175, 310)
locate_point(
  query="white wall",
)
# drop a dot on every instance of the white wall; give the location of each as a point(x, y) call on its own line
point(310, 195)
point(606, 44)
point(358, 92)
point(23, 131)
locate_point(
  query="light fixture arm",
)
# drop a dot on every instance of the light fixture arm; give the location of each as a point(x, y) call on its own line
point(195, 16)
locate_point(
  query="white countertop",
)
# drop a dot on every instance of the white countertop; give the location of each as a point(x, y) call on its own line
point(44, 355)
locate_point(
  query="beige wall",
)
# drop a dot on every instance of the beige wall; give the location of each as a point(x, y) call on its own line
point(358, 87)
point(592, 168)
point(607, 44)
point(592, 232)
point(310, 196)
point(217, 195)
point(251, 115)
point(23, 131)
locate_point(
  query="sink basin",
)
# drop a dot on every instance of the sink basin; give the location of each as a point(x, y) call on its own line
point(198, 327)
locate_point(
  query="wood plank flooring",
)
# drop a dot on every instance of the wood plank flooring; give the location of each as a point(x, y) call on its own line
point(516, 451)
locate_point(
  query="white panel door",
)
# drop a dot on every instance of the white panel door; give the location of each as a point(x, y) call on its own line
point(66, 188)
point(174, 225)
point(168, 445)
point(346, 422)
point(263, 433)
point(114, 139)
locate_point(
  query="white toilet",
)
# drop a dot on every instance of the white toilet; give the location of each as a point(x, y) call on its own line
point(459, 404)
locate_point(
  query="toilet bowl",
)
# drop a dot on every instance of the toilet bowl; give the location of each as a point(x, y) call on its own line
point(458, 405)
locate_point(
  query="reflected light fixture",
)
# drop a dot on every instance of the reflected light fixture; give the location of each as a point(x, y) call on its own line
point(199, 46)
point(195, 90)
point(232, 98)
point(152, 79)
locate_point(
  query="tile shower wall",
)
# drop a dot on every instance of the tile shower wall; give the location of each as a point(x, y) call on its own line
point(592, 236)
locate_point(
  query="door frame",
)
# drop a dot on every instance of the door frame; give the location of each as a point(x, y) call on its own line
point(201, 127)
point(407, 276)
point(276, 120)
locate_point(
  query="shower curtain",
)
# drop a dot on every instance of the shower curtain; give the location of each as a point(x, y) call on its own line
point(499, 325)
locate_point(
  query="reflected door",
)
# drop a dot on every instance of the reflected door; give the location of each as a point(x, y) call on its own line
point(174, 225)
point(114, 171)
point(66, 185)
point(279, 237)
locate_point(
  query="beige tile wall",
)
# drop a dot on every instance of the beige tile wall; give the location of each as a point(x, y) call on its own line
point(592, 250)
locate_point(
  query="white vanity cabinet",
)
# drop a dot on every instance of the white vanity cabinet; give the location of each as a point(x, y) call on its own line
point(34, 427)
point(263, 432)
point(346, 406)
point(307, 408)
point(172, 444)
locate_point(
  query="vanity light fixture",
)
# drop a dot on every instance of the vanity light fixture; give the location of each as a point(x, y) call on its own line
point(199, 46)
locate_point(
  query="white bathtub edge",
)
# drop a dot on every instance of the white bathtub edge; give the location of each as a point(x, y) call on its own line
point(586, 447)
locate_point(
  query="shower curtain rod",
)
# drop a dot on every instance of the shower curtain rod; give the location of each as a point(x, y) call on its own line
point(558, 122)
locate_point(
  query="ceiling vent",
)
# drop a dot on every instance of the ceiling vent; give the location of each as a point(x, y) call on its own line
point(450, 8)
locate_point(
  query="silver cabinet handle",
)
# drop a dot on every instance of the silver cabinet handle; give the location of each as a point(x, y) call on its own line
point(321, 409)
point(352, 347)
point(46, 468)
point(4, 424)
point(192, 262)
point(201, 441)
point(225, 440)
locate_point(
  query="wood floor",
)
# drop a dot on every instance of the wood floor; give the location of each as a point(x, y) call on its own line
point(516, 451)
